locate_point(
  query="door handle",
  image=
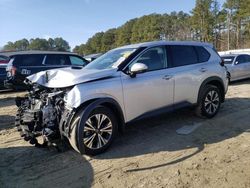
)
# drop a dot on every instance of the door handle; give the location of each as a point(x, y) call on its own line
point(167, 77)
point(203, 70)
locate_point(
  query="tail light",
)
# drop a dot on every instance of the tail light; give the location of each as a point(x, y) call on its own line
point(4, 61)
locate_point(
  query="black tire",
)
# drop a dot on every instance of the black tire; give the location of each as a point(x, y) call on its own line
point(96, 148)
point(208, 107)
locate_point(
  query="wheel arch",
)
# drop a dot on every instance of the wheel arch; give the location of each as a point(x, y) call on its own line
point(87, 107)
point(216, 81)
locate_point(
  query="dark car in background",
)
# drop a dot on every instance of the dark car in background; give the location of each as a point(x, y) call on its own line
point(25, 63)
point(3, 64)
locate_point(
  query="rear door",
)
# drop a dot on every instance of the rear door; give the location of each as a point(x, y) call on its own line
point(190, 68)
point(54, 61)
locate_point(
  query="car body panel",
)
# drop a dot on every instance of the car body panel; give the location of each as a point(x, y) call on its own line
point(146, 92)
point(66, 77)
point(110, 87)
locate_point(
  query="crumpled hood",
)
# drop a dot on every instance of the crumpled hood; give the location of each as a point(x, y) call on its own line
point(66, 77)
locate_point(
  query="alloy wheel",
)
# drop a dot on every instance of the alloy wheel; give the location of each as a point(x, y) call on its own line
point(98, 130)
point(212, 102)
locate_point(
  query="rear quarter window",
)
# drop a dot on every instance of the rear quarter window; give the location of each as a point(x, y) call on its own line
point(183, 55)
point(75, 60)
point(28, 60)
point(203, 54)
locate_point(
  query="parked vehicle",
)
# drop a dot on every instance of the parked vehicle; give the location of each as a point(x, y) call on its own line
point(4, 59)
point(92, 57)
point(88, 106)
point(25, 63)
point(238, 66)
point(3, 64)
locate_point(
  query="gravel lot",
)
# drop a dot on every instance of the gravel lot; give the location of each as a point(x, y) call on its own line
point(149, 154)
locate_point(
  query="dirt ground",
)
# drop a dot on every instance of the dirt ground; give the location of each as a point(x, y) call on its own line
point(149, 154)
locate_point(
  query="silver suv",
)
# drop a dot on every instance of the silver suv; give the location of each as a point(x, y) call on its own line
point(89, 105)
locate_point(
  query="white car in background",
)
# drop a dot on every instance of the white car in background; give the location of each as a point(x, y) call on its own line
point(238, 66)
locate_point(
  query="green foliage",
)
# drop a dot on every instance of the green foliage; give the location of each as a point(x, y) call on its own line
point(18, 45)
point(207, 22)
point(61, 45)
point(58, 44)
point(147, 28)
point(227, 27)
point(238, 23)
point(38, 44)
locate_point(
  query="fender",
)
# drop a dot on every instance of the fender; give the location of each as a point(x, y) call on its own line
point(85, 114)
point(211, 79)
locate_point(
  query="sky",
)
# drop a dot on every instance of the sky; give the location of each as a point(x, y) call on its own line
point(75, 20)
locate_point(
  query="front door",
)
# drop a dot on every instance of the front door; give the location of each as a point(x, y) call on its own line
point(151, 90)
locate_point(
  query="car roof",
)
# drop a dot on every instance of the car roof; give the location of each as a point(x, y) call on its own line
point(28, 52)
point(232, 55)
point(157, 43)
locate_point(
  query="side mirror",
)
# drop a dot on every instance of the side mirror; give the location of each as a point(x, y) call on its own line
point(137, 68)
point(236, 62)
point(222, 63)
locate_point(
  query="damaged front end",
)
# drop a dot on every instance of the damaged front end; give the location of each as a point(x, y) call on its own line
point(55, 108)
point(42, 113)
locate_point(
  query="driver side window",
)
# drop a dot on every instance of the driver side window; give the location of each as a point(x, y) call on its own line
point(154, 58)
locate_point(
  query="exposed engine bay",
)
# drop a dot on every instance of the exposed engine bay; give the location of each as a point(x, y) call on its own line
point(42, 113)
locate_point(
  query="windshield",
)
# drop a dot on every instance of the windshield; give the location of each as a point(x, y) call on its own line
point(111, 59)
point(228, 59)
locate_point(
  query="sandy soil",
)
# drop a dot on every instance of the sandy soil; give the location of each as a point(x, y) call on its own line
point(149, 154)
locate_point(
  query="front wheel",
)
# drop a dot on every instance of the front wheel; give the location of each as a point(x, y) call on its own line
point(99, 130)
point(210, 102)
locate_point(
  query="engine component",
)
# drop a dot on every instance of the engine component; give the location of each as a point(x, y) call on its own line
point(39, 114)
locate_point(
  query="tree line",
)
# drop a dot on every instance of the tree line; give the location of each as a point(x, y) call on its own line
point(56, 44)
point(227, 26)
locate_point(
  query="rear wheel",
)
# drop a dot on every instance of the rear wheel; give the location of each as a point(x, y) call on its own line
point(99, 130)
point(210, 102)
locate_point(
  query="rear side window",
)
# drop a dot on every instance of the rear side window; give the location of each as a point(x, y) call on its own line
point(57, 59)
point(183, 55)
point(77, 61)
point(203, 54)
point(28, 60)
